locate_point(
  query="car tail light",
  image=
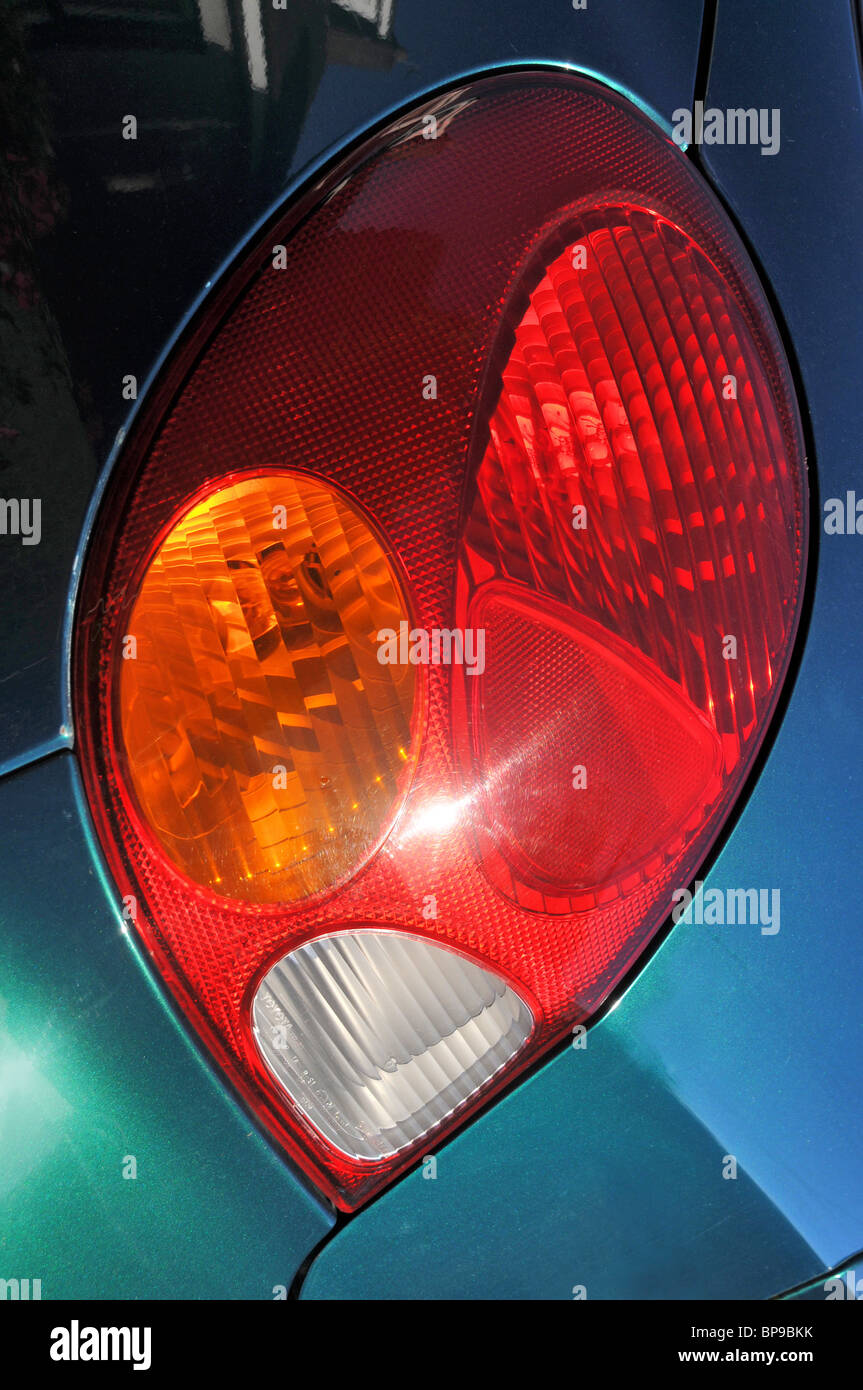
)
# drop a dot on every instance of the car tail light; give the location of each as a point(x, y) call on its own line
point(437, 609)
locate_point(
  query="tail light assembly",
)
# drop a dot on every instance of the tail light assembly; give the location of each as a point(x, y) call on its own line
point(436, 610)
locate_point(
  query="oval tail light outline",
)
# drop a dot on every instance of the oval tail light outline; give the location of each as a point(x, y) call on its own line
point(428, 545)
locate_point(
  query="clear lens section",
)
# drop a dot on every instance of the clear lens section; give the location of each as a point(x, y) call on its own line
point(379, 1036)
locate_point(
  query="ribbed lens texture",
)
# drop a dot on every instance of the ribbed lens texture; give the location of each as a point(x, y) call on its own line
point(433, 352)
point(265, 741)
point(379, 1037)
point(636, 477)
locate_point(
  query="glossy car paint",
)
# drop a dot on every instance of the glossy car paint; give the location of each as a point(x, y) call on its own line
point(95, 1074)
point(144, 232)
point(138, 229)
point(729, 1043)
point(604, 1169)
point(837, 1286)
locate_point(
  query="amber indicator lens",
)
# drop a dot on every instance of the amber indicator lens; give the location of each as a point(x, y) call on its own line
point(517, 390)
point(266, 743)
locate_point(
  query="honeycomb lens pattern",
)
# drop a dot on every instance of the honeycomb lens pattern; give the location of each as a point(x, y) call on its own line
point(266, 743)
point(413, 264)
point(635, 480)
point(649, 761)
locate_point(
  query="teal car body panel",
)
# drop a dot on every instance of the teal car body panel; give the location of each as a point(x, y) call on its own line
point(128, 1171)
point(605, 1171)
point(729, 1043)
point(96, 1068)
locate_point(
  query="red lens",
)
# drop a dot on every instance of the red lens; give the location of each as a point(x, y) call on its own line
point(529, 354)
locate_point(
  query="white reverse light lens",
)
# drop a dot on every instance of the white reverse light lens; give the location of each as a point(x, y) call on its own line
point(379, 1036)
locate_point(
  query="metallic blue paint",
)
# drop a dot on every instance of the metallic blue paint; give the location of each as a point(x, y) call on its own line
point(118, 298)
point(109, 1071)
point(605, 1169)
point(308, 177)
point(840, 1285)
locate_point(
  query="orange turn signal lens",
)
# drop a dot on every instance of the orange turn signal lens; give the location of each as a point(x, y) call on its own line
point(267, 745)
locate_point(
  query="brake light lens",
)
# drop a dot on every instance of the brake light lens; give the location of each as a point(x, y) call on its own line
point(437, 610)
